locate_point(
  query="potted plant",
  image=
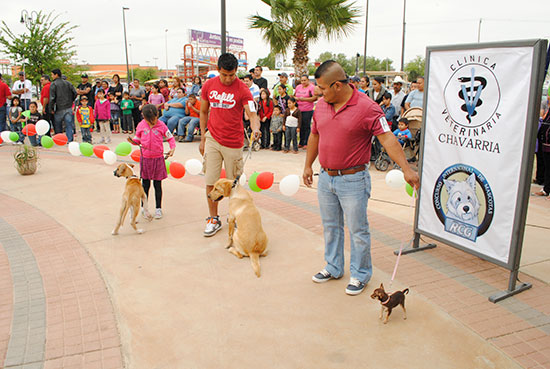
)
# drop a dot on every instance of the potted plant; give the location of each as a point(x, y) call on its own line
point(26, 158)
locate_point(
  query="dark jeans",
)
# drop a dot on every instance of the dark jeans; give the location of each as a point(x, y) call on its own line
point(546, 158)
point(86, 135)
point(18, 128)
point(25, 104)
point(266, 136)
point(305, 129)
point(3, 124)
point(277, 140)
point(115, 117)
point(48, 118)
point(127, 122)
point(64, 116)
point(291, 134)
point(539, 176)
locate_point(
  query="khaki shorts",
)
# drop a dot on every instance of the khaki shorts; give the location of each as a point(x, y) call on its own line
point(215, 154)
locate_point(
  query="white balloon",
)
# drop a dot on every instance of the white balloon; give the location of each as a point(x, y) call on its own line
point(289, 185)
point(42, 127)
point(5, 136)
point(74, 148)
point(193, 166)
point(242, 180)
point(109, 157)
point(395, 178)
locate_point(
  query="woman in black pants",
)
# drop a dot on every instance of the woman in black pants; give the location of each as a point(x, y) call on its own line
point(543, 137)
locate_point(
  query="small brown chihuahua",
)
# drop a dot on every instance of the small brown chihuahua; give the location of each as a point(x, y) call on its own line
point(389, 302)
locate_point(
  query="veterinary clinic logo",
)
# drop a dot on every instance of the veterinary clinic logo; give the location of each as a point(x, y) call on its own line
point(223, 100)
point(472, 96)
point(463, 201)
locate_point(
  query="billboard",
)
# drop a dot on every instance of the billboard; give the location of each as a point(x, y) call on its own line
point(214, 39)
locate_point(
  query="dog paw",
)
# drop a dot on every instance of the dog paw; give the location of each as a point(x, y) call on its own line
point(140, 231)
point(385, 322)
point(114, 233)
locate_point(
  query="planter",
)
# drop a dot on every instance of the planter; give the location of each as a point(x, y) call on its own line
point(26, 160)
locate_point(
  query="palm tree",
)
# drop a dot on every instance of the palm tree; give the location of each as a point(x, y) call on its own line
point(299, 22)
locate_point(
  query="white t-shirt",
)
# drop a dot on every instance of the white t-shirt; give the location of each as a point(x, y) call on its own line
point(255, 91)
point(19, 85)
point(291, 121)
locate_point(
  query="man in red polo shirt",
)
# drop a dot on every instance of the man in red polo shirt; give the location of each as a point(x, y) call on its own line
point(45, 98)
point(5, 93)
point(343, 125)
point(224, 97)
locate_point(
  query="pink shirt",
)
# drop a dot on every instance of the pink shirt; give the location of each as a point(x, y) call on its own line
point(302, 91)
point(345, 136)
point(152, 138)
point(156, 99)
point(102, 111)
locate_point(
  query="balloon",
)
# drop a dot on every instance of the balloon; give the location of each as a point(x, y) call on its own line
point(136, 156)
point(42, 127)
point(242, 180)
point(86, 149)
point(222, 174)
point(123, 149)
point(5, 135)
point(29, 130)
point(74, 148)
point(252, 182)
point(177, 170)
point(1, 141)
point(99, 150)
point(46, 141)
point(265, 180)
point(14, 136)
point(60, 139)
point(193, 166)
point(26, 113)
point(109, 157)
point(395, 178)
point(167, 163)
point(289, 185)
point(409, 189)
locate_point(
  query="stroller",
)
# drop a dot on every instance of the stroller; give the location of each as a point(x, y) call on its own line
point(411, 147)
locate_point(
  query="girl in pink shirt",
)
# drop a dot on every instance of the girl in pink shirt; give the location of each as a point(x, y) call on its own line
point(156, 98)
point(150, 134)
point(102, 112)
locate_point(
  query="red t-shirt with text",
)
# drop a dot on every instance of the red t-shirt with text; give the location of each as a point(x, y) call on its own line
point(225, 123)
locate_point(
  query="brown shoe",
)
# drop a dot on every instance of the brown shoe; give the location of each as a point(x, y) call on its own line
point(285, 151)
point(295, 151)
point(541, 193)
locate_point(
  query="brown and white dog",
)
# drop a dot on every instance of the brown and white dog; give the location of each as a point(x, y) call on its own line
point(389, 302)
point(246, 235)
point(133, 195)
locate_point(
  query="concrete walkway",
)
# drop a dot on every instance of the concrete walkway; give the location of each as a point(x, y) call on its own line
point(171, 298)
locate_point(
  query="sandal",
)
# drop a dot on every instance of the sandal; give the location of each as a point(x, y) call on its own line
point(541, 193)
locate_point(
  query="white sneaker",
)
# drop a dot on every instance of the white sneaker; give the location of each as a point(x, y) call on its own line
point(158, 213)
point(146, 215)
point(213, 225)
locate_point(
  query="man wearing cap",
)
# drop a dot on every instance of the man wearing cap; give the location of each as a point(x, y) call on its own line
point(22, 89)
point(283, 80)
point(85, 88)
point(397, 95)
point(5, 93)
point(62, 96)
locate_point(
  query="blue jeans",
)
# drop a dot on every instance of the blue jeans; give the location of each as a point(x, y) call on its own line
point(171, 123)
point(3, 124)
point(64, 116)
point(191, 123)
point(86, 134)
point(18, 128)
point(340, 196)
point(291, 134)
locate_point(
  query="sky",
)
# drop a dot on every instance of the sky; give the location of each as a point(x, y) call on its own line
point(99, 38)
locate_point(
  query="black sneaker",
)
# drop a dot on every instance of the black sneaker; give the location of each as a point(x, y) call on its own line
point(322, 276)
point(213, 225)
point(355, 287)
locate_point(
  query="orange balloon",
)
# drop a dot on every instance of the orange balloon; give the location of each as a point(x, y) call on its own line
point(99, 149)
point(264, 180)
point(136, 156)
point(29, 130)
point(60, 139)
point(177, 170)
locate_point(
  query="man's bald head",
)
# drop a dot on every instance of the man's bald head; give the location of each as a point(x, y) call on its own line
point(331, 71)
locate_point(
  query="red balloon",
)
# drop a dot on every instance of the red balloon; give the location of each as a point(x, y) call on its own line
point(99, 149)
point(60, 139)
point(222, 174)
point(136, 156)
point(1, 141)
point(264, 180)
point(177, 170)
point(29, 130)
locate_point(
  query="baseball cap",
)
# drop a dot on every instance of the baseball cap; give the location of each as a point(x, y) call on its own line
point(84, 75)
point(355, 79)
point(283, 75)
point(21, 73)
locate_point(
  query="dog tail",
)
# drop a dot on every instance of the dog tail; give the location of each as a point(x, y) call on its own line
point(405, 291)
point(255, 260)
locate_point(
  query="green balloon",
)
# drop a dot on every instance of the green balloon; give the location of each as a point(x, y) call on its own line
point(26, 113)
point(123, 149)
point(409, 189)
point(86, 149)
point(252, 182)
point(14, 136)
point(46, 142)
point(167, 163)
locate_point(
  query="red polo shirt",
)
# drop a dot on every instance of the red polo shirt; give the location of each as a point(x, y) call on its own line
point(4, 91)
point(45, 92)
point(345, 136)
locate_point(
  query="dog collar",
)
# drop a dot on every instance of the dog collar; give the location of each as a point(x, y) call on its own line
point(235, 181)
point(388, 300)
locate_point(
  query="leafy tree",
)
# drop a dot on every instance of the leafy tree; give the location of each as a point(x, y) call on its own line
point(415, 68)
point(298, 23)
point(349, 64)
point(145, 74)
point(44, 46)
point(268, 61)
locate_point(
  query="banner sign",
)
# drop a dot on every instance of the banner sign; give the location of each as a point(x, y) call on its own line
point(476, 118)
point(214, 39)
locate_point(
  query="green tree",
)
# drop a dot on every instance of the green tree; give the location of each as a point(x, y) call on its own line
point(145, 74)
point(415, 68)
point(268, 61)
point(45, 45)
point(298, 23)
point(349, 64)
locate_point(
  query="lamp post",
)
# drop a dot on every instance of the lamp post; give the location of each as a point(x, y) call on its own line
point(223, 32)
point(403, 38)
point(131, 60)
point(357, 56)
point(365, 49)
point(27, 19)
point(166, 46)
point(126, 46)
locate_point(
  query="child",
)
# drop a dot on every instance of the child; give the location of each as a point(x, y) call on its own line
point(276, 127)
point(293, 122)
point(102, 113)
point(16, 119)
point(127, 105)
point(403, 130)
point(156, 98)
point(34, 117)
point(85, 117)
point(115, 112)
point(150, 133)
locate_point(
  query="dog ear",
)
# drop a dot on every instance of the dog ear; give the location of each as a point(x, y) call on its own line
point(449, 184)
point(382, 285)
point(226, 185)
point(471, 180)
point(132, 165)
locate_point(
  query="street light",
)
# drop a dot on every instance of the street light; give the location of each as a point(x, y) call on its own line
point(365, 49)
point(403, 38)
point(166, 46)
point(27, 18)
point(223, 32)
point(357, 56)
point(131, 60)
point(126, 46)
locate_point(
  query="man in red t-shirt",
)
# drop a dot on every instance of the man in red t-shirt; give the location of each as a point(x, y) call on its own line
point(5, 93)
point(45, 99)
point(224, 98)
point(343, 125)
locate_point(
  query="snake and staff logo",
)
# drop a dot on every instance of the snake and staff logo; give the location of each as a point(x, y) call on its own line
point(463, 201)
